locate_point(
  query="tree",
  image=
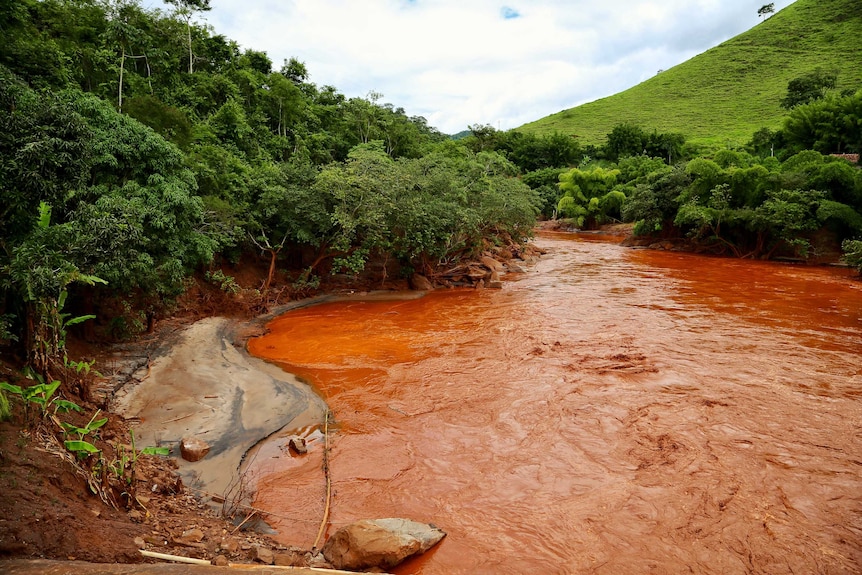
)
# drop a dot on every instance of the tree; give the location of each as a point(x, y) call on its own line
point(808, 88)
point(832, 125)
point(626, 140)
point(653, 204)
point(766, 10)
point(588, 195)
point(186, 9)
point(295, 71)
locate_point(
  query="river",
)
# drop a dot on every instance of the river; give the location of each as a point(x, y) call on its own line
point(613, 410)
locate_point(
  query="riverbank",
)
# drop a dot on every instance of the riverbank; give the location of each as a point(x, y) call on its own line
point(191, 377)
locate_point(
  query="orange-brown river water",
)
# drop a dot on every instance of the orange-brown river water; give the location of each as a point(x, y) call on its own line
point(610, 411)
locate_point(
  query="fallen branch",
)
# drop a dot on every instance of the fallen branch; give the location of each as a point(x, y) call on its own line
point(244, 521)
point(180, 418)
point(328, 482)
point(176, 558)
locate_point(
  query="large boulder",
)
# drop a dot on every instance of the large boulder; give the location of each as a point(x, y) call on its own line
point(491, 264)
point(419, 282)
point(379, 543)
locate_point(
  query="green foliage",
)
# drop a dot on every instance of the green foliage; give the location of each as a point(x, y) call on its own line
point(853, 253)
point(808, 88)
point(723, 95)
point(589, 197)
point(81, 447)
point(5, 408)
point(224, 282)
point(830, 125)
point(626, 140)
point(124, 465)
point(40, 394)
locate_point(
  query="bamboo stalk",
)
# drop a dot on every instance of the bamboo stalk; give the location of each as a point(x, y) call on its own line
point(177, 558)
point(328, 481)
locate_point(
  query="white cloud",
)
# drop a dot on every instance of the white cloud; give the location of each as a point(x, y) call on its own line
point(501, 62)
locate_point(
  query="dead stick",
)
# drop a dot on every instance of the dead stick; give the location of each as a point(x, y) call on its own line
point(180, 418)
point(249, 516)
point(328, 481)
point(177, 558)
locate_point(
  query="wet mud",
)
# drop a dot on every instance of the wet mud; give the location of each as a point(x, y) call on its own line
point(610, 411)
point(206, 387)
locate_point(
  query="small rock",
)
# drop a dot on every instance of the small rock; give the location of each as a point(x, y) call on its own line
point(262, 555)
point(139, 542)
point(291, 558)
point(193, 449)
point(494, 281)
point(192, 535)
point(220, 561)
point(136, 515)
point(230, 545)
point(418, 282)
point(297, 445)
point(318, 561)
point(154, 539)
point(516, 269)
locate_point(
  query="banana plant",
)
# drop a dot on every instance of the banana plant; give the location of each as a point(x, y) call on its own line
point(80, 446)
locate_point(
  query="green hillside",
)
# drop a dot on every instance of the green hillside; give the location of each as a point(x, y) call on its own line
point(724, 95)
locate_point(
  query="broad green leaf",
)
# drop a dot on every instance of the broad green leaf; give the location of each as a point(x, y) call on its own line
point(79, 319)
point(94, 425)
point(11, 388)
point(44, 215)
point(156, 450)
point(65, 406)
point(78, 446)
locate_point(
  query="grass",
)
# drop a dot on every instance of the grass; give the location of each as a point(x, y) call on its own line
point(721, 97)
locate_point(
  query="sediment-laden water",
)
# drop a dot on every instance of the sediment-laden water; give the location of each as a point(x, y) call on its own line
point(611, 411)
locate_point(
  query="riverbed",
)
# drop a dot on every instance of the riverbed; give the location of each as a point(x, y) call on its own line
point(612, 410)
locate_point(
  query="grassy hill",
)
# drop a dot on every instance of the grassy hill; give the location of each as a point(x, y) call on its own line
point(724, 95)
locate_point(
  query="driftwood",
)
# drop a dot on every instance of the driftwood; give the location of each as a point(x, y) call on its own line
point(328, 482)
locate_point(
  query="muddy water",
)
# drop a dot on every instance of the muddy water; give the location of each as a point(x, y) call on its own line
point(611, 411)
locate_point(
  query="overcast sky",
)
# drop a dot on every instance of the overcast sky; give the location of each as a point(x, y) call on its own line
point(498, 62)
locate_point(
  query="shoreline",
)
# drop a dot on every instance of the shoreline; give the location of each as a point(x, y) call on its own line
point(203, 383)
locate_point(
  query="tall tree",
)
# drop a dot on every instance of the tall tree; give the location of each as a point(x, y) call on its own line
point(186, 9)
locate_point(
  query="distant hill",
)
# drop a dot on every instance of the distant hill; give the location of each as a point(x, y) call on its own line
point(724, 95)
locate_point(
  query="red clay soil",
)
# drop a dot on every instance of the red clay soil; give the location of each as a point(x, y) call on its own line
point(49, 511)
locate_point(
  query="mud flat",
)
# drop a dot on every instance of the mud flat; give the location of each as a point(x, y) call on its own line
point(205, 386)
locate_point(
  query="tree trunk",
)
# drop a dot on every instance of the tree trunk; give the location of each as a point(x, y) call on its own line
point(191, 55)
point(120, 92)
point(273, 255)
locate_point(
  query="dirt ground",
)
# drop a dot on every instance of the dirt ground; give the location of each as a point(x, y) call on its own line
point(47, 506)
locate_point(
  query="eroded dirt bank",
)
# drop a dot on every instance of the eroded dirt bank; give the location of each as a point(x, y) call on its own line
point(610, 411)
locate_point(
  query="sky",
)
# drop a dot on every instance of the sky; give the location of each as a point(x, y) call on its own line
point(467, 62)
